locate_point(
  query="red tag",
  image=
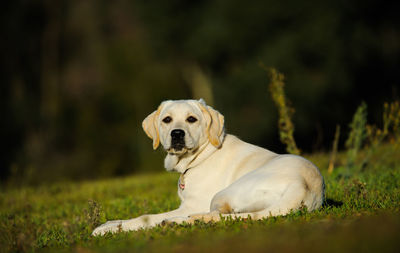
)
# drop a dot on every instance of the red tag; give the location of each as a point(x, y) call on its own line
point(182, 186)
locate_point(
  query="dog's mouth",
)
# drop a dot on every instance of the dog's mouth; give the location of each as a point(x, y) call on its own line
point(177, 147)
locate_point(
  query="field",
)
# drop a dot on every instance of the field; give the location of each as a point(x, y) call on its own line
point(361, 213)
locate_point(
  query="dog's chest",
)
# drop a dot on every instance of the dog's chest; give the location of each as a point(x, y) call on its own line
point(198, 187)
point(181, 182)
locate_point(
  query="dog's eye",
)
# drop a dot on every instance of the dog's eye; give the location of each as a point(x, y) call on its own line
point(167, 119)
point(191, 119)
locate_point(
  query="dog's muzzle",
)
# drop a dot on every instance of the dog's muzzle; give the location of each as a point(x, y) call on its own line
point(177, 139)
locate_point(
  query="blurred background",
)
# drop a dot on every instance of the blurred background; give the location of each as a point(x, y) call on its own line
point(79, 76)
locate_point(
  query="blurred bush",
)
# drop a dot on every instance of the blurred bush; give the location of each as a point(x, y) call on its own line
point(78, 77)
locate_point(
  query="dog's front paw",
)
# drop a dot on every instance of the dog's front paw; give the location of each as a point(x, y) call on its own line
point(110, 226)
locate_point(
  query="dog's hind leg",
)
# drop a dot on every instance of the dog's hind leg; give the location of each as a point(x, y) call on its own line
point(291, 200)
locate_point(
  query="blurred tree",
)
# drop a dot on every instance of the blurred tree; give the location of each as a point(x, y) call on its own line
point(78, 77)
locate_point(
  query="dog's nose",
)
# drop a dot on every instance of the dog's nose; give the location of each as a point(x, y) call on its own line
point(177, 134)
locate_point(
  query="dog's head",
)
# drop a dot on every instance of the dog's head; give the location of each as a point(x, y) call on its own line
point(182, 126)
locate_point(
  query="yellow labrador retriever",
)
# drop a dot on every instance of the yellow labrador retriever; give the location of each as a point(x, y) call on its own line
point(220, 174)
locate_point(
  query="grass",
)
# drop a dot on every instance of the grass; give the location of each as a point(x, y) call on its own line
point(357, 134)
point(361, 213)
point(285, 111)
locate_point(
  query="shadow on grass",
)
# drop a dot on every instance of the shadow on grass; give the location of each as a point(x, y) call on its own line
point(332, 203)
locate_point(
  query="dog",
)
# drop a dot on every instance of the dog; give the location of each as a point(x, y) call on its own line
point(220, 174)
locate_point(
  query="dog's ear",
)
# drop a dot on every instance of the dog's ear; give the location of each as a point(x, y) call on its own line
point(150, 127)
point(215, 124)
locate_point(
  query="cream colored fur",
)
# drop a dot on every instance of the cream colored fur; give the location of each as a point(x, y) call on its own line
point(222, 175)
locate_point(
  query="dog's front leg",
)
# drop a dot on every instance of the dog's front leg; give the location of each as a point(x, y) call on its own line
point(144, 221)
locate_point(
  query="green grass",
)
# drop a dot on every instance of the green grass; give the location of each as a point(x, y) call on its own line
point(361, 214)
point(285, 111)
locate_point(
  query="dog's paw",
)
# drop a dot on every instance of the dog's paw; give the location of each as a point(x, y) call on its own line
point(110, 226)
point(175, 220)
point(205, 217)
